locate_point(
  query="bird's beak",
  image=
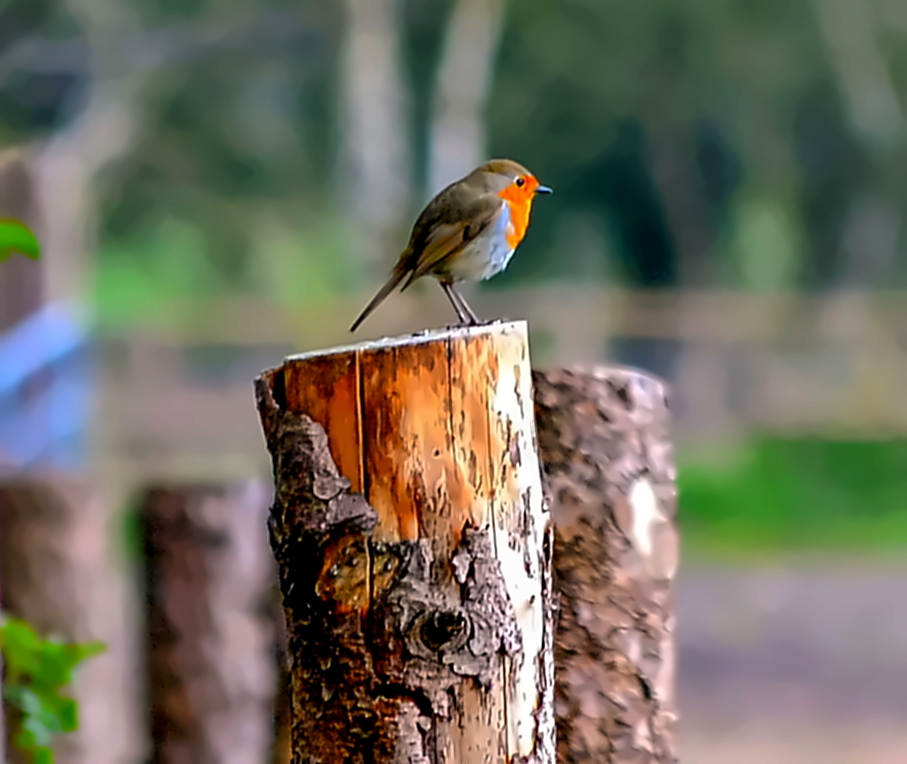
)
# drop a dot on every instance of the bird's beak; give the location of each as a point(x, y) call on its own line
point(544, 190)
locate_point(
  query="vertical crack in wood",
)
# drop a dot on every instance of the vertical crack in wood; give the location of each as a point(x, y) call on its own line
point(388, 634)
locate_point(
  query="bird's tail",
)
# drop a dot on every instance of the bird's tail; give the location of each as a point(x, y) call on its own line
point(390, 285)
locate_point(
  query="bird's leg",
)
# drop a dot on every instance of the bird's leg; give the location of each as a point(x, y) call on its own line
point(472, 319)
point(464, 314)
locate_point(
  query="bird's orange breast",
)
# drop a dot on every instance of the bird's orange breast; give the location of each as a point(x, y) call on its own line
point(519, 203)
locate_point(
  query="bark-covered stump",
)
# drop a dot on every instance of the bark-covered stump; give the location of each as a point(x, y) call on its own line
point(414, 550)
point(210, 582)
point(610, 476)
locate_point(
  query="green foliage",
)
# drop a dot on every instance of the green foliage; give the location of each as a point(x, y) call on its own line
point(16, 237)
point(36, 671)
point(142, 282)
point(706, 142)
point(775, 494)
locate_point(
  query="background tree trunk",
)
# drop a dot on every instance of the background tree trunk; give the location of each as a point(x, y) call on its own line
point(20, 278)
point(415, 578)
point(457, 138)
point(210, 630)
point(376, 181)
point(60, 573)
point(603, 438)
point(67, 167)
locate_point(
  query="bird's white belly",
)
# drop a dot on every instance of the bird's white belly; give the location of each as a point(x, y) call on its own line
point(486, 255)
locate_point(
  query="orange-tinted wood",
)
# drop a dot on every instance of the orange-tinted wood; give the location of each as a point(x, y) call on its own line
point(436, 431)
point(406, 439)
point(326, 388)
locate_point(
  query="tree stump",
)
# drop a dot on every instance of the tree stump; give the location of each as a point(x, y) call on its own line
point(413, 549)
point(603, 438)
point(211, 658)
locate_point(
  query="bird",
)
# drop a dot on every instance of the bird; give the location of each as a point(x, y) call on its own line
point(467, 232)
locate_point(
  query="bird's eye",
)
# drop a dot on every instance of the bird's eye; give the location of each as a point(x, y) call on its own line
point(520, 181)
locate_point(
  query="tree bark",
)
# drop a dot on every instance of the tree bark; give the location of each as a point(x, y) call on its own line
point(457, 140)
point(415, 578)
point(211, 634)
point(60, 572)
point(603, 438)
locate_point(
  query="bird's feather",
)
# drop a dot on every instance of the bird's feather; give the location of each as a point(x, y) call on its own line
point(446, 232)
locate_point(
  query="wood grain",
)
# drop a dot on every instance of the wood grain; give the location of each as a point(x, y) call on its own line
point(435, 581)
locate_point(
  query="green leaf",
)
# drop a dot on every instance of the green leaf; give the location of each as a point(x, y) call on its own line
point(30, 703)
point(25, 739)
point(17, 237)
point(40, 732)
point(86, 650)
point(37, 669)
point(54, 668)
point(21, 645)
point(59, 714)
point(68, 714)
point(14, 694)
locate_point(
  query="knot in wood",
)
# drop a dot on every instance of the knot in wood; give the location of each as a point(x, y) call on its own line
point(438, 632)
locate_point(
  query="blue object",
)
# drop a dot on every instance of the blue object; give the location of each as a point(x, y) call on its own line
point(45, 391)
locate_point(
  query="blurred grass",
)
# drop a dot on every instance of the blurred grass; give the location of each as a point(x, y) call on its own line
point(774, 495)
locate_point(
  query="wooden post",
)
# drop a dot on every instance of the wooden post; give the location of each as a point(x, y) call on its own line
point(60, 571)
point(211, 660)
point(415, 578)
point(603, 438)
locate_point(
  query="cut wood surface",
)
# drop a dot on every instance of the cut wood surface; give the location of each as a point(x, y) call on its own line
point(413, 549)
point(610, 475)
point(211, 639)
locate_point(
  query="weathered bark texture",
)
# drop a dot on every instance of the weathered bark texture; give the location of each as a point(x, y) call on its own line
point(60, 571)
point(211, 633)
point(282, 710)
point(604, 442)
point(416, 578)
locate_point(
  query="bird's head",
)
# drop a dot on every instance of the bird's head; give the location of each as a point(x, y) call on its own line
point(510, 180)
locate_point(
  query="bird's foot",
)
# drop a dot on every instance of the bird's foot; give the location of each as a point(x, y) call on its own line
point(474, 323)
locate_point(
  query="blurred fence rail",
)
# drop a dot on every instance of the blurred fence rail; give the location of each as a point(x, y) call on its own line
point(178, 399)
point(562, 309)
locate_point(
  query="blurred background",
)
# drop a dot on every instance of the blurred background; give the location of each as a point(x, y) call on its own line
point(217, 184)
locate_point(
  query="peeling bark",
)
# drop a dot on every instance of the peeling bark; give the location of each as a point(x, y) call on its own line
point(210, 630)
point(604, 442)
point(416, 585)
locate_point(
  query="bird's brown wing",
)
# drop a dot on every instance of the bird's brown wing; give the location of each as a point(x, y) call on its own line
point(444, 228)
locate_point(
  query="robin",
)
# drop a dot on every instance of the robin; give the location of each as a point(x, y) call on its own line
point(468, 232)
